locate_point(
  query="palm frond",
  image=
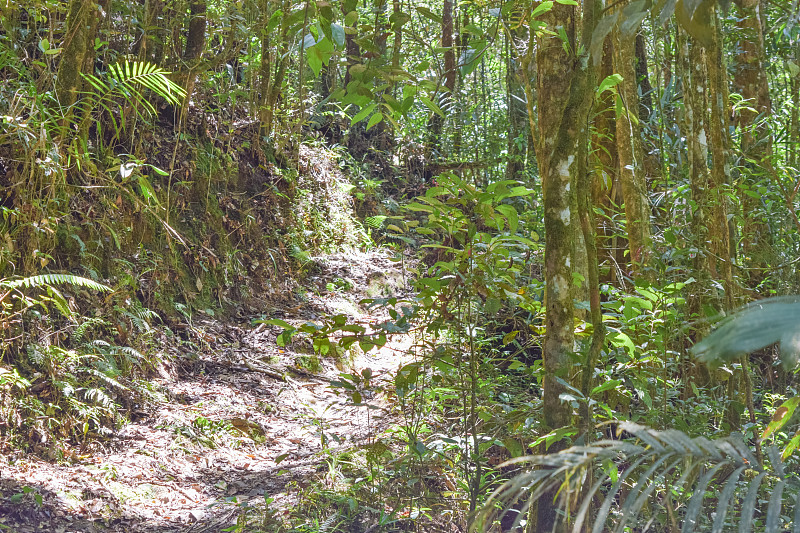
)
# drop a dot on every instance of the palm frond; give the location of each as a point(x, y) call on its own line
point(652, 469)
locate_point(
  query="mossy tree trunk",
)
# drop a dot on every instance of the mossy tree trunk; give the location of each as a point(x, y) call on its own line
point(631, 158)
point(750, 80)
point(83, 19)
point(611, 242)
point(720, 256)
point(565, 86)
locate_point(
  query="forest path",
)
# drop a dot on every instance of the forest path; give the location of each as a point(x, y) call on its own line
point(236, 423)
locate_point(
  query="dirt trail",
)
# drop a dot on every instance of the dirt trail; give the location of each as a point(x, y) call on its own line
point(236, 422)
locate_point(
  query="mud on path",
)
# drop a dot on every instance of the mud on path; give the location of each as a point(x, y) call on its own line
point(235, 421)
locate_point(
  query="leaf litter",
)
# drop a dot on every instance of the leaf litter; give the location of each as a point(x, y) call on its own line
point(237, 422)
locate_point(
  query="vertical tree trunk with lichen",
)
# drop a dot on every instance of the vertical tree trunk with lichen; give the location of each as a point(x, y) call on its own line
point(631, 158)
point(274, 62)
point(750, 80)
point(692, 65)
point(565, 87)
point(720, 257)
point(77, 51)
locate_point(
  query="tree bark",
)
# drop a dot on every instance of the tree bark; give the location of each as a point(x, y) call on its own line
point(517, 111)
point(565, 86)
point(78, 51)
point(631, 159)
point(750, 80)
point(436, 123)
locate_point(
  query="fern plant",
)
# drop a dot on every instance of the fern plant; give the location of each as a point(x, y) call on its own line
point(11, 289)
point(655, 476)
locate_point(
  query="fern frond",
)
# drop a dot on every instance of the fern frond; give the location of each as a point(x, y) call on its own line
point(43, 280)
point(375, 222)
point(108, 380)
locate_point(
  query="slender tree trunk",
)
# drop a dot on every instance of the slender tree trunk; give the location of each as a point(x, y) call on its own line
point(611, 244)
point(643, 79)
point(436, 123)
point(750, 80)
point(517, 111)
point(717, 133)
point(631, 158)
point(274, 63)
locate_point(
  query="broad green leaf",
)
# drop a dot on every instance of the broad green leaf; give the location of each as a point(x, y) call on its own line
point(337, 34)
point(427, 13)
point(361, 115)
point(510, 336)
point(374, 119)
point(314, 56)
point(429, 103)
point(351, 19)
point(308, 41)
point(514, 447)
point(542, 8)
point(608, 83)
point(510, 213)
point(791, 446)
point(781, 416)
point(605, 386)
point(467, 62)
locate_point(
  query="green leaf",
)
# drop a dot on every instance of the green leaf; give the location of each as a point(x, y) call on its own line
point(361, 115)
point(753, 327)
point(376, 118)
point(511, 215)
point(781, 416)
point(351, 19)
point(608, 83)
point(612, 384)
point(791, 447)
point(429, 103)
point(542, 8)
point(427, 13)
point(314, 56)
point(514, 447)
point(337, 34)
point(510, 336)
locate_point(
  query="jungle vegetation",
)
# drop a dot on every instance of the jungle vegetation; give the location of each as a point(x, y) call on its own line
point(591, 187)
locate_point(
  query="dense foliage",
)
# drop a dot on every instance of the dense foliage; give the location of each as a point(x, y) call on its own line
point(589, 186)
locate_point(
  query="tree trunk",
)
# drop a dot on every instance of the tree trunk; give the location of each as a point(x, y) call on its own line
point(565, 87)
point(717, 133)
point(631, 159)
point(611, 243)
point(78, 51)
point(517, 111)
point(750, 80)
point(436, 123)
